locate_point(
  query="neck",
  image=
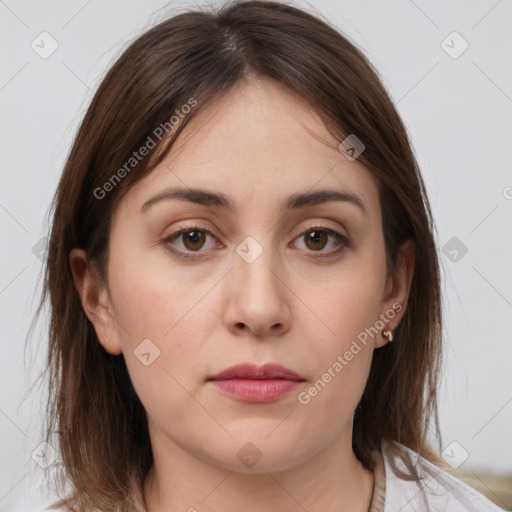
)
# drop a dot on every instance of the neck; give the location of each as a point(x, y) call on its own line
point(333, 480)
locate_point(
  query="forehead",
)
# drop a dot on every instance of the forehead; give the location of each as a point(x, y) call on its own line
point(260, 142)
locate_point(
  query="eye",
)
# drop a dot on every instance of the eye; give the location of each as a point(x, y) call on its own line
point(318, 237)
point(192, 239)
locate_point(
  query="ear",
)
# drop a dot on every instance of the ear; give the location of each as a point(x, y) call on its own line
point(95, 300)
point(397, 289)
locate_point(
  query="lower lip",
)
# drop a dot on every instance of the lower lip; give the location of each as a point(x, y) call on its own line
point(259, 391)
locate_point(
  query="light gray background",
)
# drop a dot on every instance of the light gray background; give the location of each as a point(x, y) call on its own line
point(458, 112)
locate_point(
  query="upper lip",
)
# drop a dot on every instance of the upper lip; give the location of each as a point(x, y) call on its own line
point(252, 371)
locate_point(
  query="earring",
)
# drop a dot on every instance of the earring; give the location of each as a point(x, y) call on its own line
point(388, 335)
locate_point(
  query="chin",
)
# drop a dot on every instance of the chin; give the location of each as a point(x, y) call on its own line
point(261, 453)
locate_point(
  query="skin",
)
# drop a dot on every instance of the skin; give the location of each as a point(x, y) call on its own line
point(287, 306)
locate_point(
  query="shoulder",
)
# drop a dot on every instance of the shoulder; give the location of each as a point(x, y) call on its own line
point(441, 490)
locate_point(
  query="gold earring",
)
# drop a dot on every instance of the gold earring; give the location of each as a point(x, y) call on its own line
point(388, 335)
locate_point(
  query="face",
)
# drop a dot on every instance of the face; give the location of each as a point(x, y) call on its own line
point(198, 285)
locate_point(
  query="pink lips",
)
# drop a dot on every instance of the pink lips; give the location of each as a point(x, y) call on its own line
point(253, 383)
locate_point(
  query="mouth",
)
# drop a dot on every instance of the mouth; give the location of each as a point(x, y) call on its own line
point(258, 384)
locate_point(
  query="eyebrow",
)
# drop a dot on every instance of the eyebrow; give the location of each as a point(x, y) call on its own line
point(220, 200)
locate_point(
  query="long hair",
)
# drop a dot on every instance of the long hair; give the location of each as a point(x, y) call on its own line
point(94, 415)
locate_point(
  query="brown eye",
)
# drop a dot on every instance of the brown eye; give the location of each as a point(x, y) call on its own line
point(193, 239)
point(316, 239)
point(189, 243)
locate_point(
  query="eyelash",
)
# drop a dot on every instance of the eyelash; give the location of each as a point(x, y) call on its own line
point(345, 242)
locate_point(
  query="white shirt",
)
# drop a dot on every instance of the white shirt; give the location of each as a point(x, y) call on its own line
point(443, 492)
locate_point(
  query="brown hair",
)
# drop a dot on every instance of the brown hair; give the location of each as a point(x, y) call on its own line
point(94, 414)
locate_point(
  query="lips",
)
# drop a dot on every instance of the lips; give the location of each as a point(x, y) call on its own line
point(257, 384)
point(253, 372)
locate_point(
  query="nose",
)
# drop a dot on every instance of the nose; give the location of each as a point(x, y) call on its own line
point(258, 296)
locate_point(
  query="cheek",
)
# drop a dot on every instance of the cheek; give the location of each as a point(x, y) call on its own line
point(340, 358)
point(346, 302)
point(153, 296)
point(163, 315)
point(345, 321)
point(340, 336)
point(173, 318)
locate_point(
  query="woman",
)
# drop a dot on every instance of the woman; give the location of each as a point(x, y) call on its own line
point(244, 282)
